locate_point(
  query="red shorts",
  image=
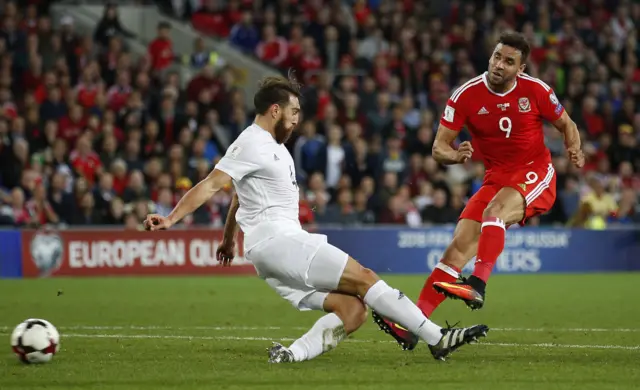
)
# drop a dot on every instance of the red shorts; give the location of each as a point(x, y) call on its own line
point(536, 184)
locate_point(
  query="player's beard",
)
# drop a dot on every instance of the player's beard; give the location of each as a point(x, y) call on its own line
point(282, 134)
point(496, 79)
point(500, 80)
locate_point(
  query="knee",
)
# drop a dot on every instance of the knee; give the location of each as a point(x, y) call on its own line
point(495, 209)
point(352, 311)
point(356, 279)
point(367, 279)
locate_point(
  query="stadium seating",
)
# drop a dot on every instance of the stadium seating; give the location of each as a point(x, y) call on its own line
point(89, 137)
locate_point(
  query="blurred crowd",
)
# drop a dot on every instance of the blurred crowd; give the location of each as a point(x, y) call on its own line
point(91, 134)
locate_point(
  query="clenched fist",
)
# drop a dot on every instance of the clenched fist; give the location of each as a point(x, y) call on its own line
point(465, 151)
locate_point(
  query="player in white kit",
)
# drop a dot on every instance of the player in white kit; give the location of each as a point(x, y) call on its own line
point(302, 267)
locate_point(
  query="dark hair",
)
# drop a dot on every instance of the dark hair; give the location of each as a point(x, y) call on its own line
point(275, 90)
point(517, 41)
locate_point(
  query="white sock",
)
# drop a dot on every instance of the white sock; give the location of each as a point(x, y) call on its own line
point(395, 306)
point(323, 336)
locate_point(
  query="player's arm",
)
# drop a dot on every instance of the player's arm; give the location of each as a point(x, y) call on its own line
point(230, 226)
point(443, 150)
point(572, 142)
point(451, 122)
point(199, 194)
point(552, 110)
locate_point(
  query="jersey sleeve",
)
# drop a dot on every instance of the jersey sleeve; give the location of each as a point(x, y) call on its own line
point(239, 161)
point(454, 115)
point(550, 107)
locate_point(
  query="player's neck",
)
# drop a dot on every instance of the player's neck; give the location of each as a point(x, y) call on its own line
point(501, 88)
point(265, 124)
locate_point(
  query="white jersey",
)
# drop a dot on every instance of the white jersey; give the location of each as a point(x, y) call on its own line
point(263, 175)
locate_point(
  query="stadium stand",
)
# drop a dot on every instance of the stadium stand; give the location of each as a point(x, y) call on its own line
point(90, 136)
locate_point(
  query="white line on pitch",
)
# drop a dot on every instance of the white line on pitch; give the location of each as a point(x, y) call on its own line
point(185, 337)
point(232, 328)
point(234, 338)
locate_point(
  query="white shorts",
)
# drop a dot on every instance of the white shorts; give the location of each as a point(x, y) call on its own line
point(302, 267)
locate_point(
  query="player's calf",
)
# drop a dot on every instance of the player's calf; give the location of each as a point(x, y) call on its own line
point(350, 309)
point(346, 314)
point(508, 206)
point(461, 249)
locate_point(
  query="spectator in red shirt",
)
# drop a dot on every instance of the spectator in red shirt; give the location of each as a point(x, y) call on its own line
point(71, 126)
point(309, 60)
point(48, 82)
point(16, 211)
point(30, 21)
point(89, 88)
point(39, 208)
point(32, 78)
point(213, 19)
point(272, 49)
point(161, 48)
point(306, 215)
point(394, 214)
point(361, 12)
point(593, 121)
point(85, 161)
point(120, 178)
point(205, 80)
point(118, 95)
point(296, 36)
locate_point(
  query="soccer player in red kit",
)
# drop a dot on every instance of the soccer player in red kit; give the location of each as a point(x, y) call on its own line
point(504, 110)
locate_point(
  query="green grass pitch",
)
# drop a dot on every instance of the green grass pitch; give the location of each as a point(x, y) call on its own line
point(549, 332)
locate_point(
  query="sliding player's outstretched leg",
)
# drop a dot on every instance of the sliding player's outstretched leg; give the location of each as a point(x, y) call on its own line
point(346, 315)
point(462, 248)
point(393, 305)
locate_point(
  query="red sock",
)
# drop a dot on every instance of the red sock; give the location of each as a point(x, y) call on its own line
point(490, 246)
point(429, 299)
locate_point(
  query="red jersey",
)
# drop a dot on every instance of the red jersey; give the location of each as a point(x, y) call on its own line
point(274, 51)
point(506, 128)
point(69, 130)
point(40, 213)
point(87, 94)
point(117, 97)
point(161, 52)
point(86, 166)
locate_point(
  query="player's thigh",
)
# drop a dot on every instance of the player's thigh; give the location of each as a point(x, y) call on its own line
point(286, 257)
point(477, 204)
point(302, 267)
point(541, 198)
point(508, 205)
point(524, 194)
point(299, 296)
point(283, 263)
point(326, 267)
point(464, 245)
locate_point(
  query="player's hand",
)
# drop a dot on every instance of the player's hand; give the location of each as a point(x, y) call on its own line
point(576, 156)
point(225, 253)
point(465, 151)
point(156, 222)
